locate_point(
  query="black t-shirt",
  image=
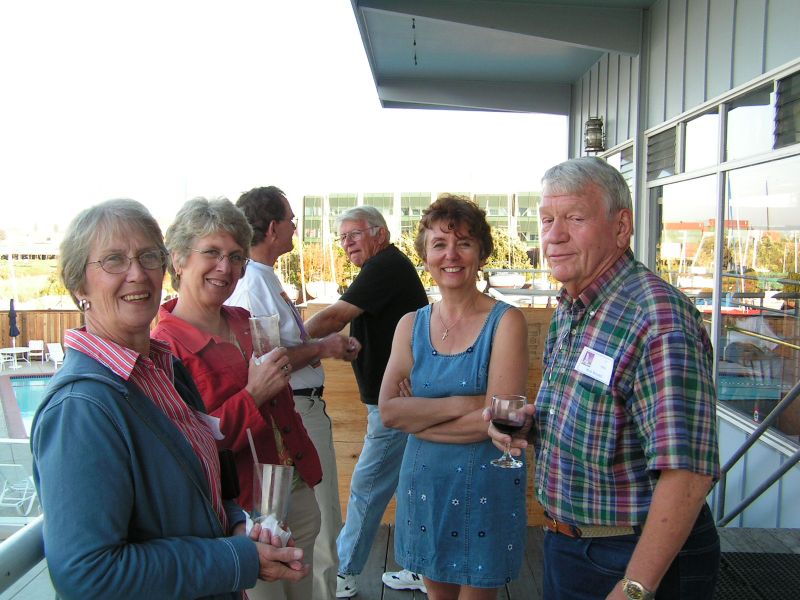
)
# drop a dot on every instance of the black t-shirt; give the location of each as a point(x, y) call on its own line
point(387, 288)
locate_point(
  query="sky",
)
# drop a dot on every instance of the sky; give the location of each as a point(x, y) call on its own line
point(162, 101)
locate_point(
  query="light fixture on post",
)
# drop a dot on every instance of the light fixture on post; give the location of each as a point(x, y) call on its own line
point(593, 138)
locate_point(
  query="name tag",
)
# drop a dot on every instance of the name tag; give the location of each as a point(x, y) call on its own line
point(595, 364)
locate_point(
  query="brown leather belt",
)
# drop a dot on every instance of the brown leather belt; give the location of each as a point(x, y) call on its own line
point(586, 531)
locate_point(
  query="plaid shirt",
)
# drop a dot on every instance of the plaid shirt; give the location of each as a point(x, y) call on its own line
point(599, 448)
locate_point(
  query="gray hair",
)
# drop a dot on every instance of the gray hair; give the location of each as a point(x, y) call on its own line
point(577, 174)
point(198, 218)
point(370, 214)
point(107, 220)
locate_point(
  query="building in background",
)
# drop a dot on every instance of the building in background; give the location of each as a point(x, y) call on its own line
point(515, 213)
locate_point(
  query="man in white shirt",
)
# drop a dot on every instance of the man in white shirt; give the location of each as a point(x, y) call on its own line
point(261, 292)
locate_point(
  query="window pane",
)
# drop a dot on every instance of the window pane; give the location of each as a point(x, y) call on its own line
point(751, 123)
point(411, 206)
point(787, 124)
point(685, 252)
point(702, 135)
point(760, 283)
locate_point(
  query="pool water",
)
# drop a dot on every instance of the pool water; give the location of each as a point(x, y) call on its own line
point(29, 392)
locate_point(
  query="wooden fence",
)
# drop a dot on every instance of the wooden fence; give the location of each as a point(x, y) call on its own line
point(47, 325)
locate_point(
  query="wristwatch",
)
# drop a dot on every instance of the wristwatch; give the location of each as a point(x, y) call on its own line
point(634, 590)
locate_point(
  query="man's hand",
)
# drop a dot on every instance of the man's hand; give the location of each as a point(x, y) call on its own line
point(339, 346)
point(520, 441)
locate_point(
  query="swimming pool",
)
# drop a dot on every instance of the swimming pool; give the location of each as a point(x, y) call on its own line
point(29, 392)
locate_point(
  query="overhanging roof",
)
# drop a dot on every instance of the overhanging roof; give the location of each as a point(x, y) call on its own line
point(513, 55)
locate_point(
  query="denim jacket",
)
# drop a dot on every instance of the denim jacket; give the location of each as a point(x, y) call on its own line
point(127, 510)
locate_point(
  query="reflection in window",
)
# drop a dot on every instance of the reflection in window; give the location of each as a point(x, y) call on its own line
point(761, 286)
point(702, 135)
point(685, 251)
point(751, 122)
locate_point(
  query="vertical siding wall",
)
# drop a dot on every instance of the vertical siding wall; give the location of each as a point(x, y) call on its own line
point(696, 50)
point(608, 90)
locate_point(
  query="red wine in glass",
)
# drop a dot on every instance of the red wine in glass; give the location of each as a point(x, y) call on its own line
point(506, 426)
point(508, 416)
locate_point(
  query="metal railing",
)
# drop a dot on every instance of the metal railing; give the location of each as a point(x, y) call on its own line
point(722, 518)
point(21, 552)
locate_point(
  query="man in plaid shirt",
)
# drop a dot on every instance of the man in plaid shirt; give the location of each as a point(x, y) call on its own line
point(624, 424)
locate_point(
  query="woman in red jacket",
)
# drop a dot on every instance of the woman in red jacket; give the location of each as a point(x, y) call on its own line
point(209, 243)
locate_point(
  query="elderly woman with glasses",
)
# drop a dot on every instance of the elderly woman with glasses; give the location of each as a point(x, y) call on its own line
point(209, 244)
point(124, 460)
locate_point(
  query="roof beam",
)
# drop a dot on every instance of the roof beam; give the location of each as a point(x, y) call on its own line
point(550, 98)
point(608, 29)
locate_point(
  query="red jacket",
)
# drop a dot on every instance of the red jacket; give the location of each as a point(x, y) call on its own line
point(220, 372)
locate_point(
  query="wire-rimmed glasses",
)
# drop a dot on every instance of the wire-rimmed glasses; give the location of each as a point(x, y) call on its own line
point(235, 259)
point(119, 263)
point(355, 234)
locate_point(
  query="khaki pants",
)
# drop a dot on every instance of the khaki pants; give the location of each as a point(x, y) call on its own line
point(304, 522)
point(326, 558)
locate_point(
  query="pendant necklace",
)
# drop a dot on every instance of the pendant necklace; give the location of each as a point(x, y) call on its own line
point(453, 324)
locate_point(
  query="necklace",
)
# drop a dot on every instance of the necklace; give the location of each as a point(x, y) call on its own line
point(454, 323)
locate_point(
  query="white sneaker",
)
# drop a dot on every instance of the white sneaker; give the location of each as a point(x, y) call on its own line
point(346, 586)
point(404, 580)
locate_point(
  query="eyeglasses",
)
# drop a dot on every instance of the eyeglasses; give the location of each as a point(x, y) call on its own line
point(119, 263)
point(235, 258)
point(355, 234)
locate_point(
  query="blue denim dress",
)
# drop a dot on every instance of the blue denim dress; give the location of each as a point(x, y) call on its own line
point(459, 519)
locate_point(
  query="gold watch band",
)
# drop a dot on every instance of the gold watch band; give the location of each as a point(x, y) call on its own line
point(634, 590)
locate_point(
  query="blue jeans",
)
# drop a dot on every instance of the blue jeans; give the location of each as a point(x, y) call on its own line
point(588, 569)
point(372, 486)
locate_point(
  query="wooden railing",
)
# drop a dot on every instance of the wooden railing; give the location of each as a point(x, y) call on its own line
point(348, 414)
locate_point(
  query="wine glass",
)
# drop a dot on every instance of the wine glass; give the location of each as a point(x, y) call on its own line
point(265, 333)
point(508, 416)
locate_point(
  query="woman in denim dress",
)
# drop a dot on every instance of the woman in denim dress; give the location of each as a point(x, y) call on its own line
point(460, 521)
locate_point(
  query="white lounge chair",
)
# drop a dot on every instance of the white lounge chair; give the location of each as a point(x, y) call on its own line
point(55, 353)
point(16, 488)
point(36, 349)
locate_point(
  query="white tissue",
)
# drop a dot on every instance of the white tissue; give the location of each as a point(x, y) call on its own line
point(271, 523)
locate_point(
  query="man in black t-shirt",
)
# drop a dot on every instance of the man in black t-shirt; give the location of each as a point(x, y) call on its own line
point(386, 288)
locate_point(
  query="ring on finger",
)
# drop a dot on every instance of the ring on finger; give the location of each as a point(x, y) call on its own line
point(285, 368)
